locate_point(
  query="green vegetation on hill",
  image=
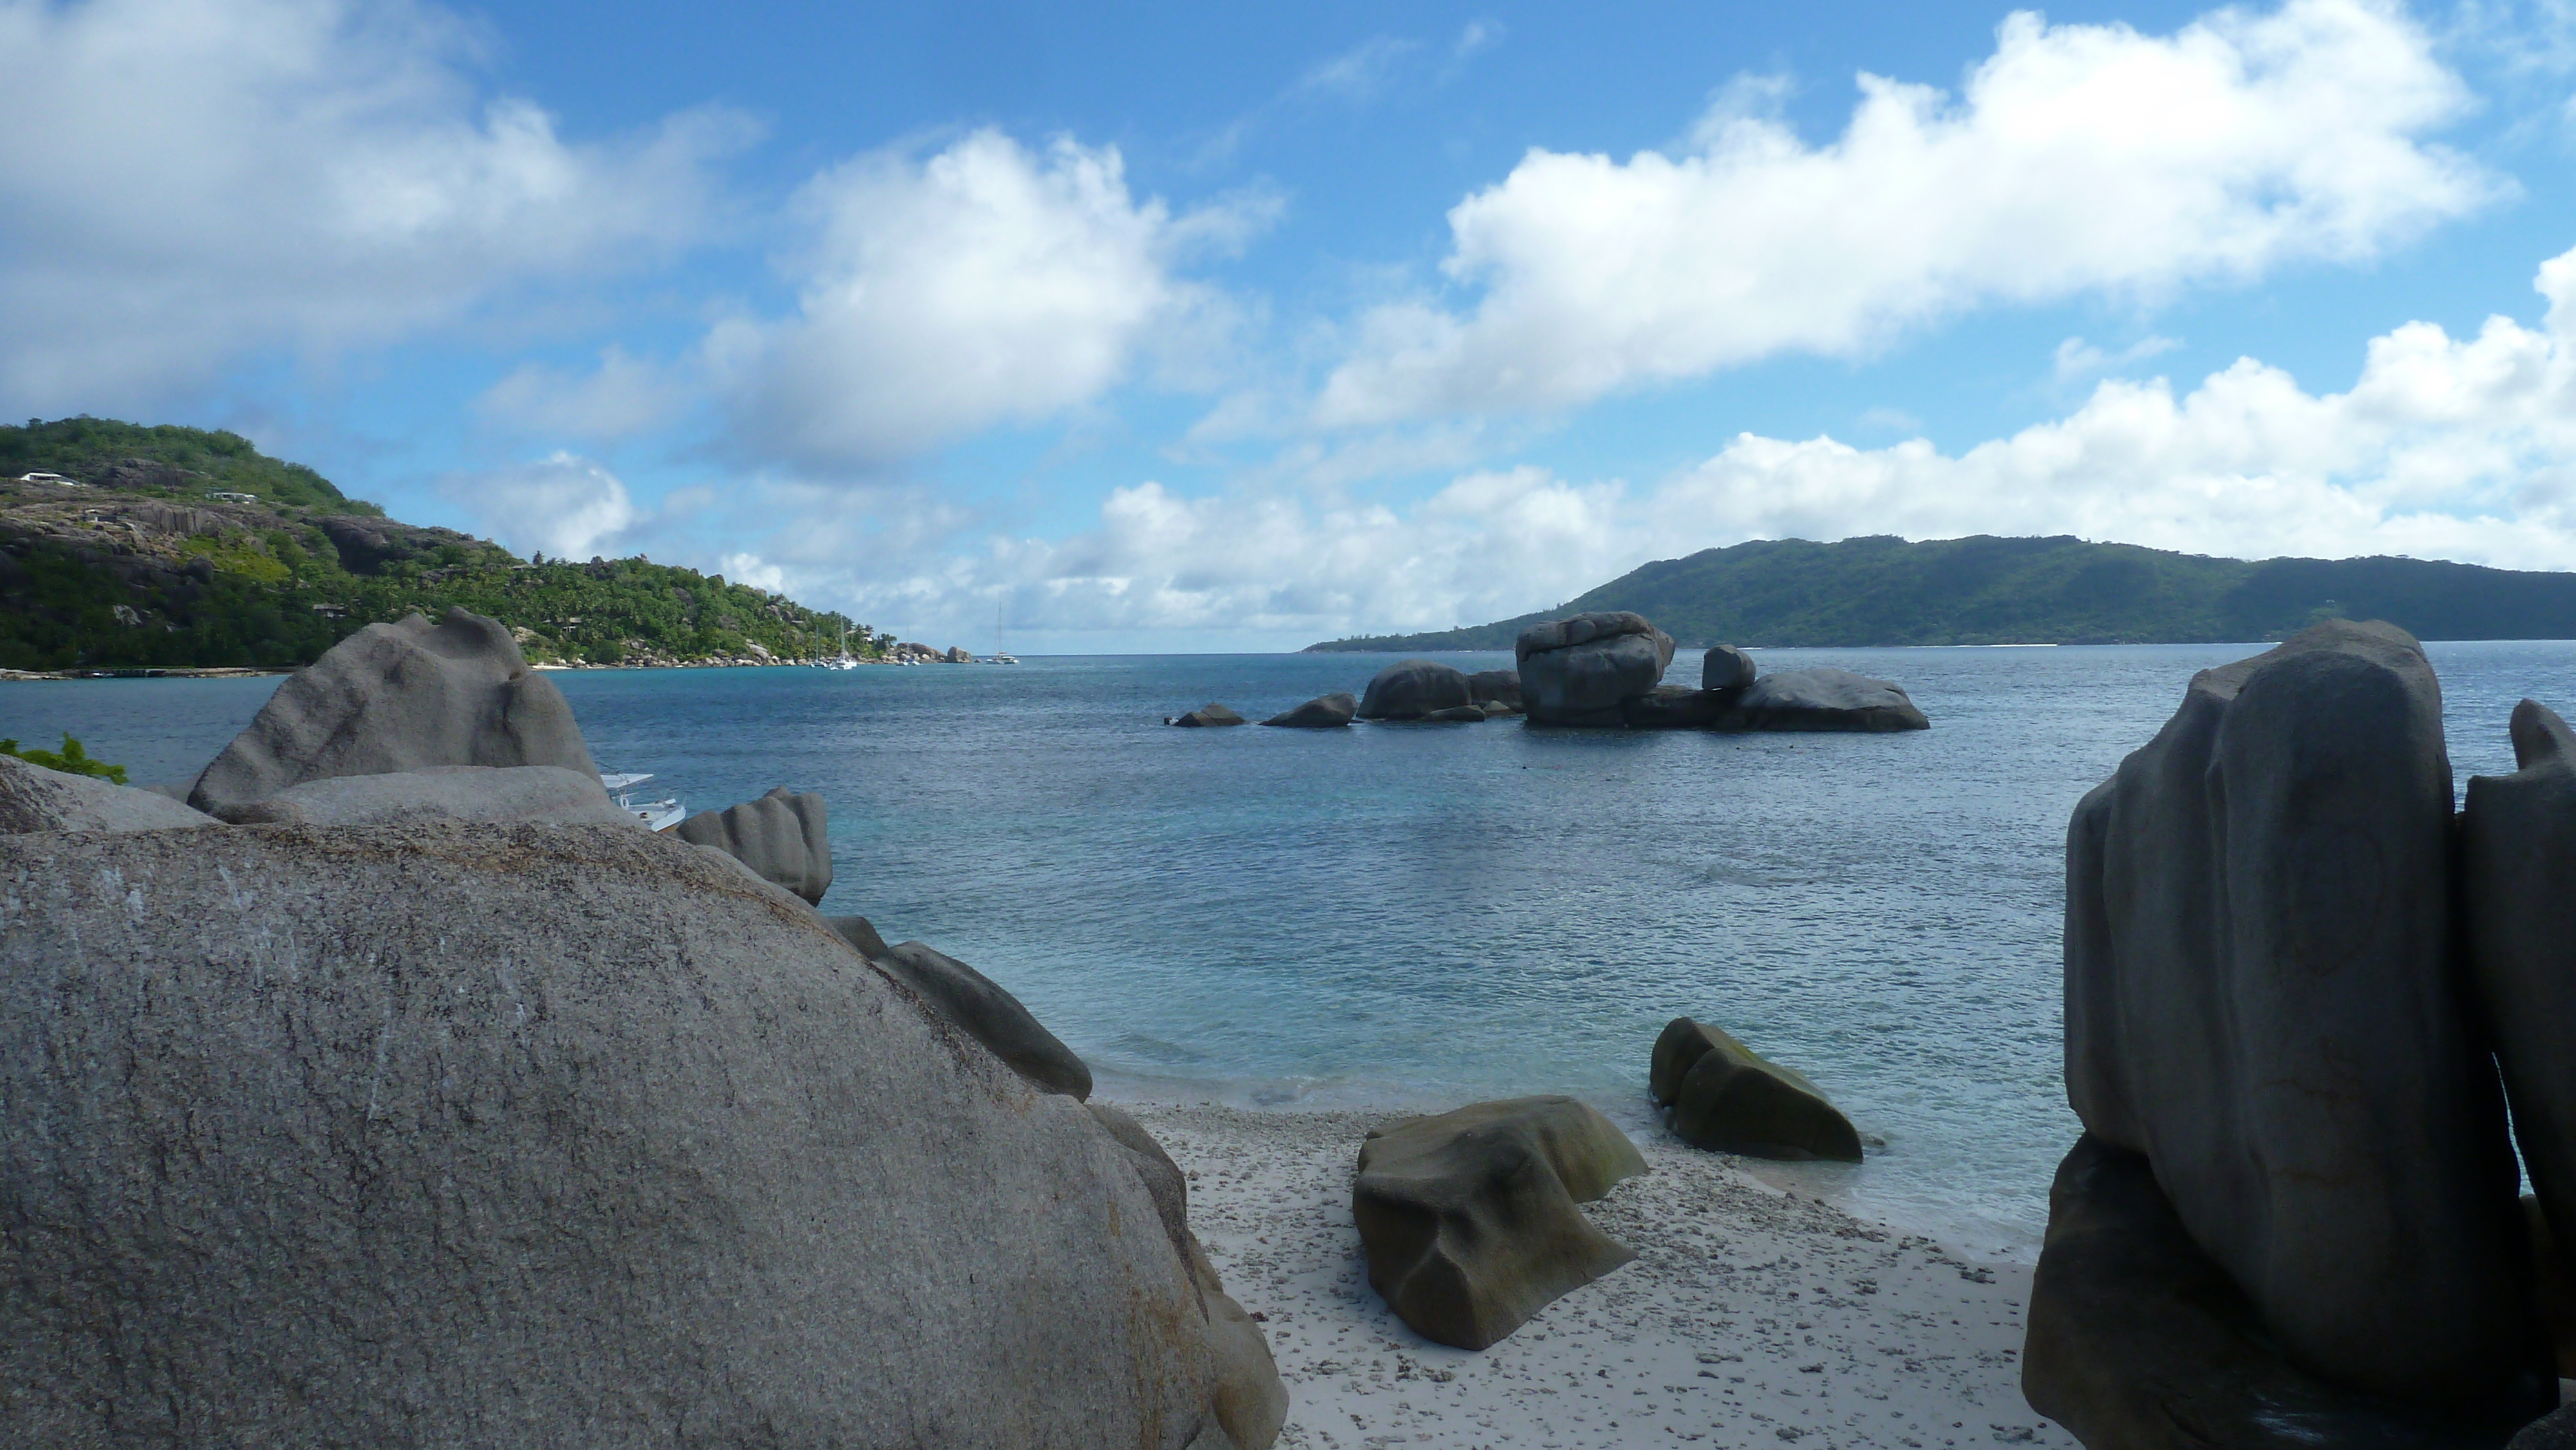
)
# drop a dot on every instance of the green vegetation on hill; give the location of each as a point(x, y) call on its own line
point(139, 577)
point(165, 461)
point(1986, 590)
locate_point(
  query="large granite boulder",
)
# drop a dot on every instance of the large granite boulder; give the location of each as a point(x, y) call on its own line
point(1725, 667)
point(1824, 699)
point(2139, 1341)
point(1578, 671)
point(441, 793)
point(1729, 1099)
point(1495, 687)
point(536, 1135)
point(784, 836)
point(33, 798)
point(1249, 1399)
point(1411, 689)
point(2518, 892)
point(399, 697)
point(1469, 1219)
point(2261, 998)
point(1324, 712)
point(1458, 715)
point(1208, 714)
point(1677, 707)
point(958, 994)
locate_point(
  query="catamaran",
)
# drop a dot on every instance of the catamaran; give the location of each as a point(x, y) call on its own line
point(659, 815)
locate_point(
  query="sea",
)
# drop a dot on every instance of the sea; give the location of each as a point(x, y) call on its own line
point(1410, 917)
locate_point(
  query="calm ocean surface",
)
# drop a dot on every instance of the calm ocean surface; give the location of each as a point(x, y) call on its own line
point(1432, 914)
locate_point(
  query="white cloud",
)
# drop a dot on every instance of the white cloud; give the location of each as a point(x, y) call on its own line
point(2444, 447)
point(2076, 359)
point(2079, 158)
point(987, 284)
point(1360, 73)
point(565, 506)
point(184, 182)
point(1476, 35)
point(622, 397)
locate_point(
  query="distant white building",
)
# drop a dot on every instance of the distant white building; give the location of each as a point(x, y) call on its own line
point(56, 479)
point(220, 494)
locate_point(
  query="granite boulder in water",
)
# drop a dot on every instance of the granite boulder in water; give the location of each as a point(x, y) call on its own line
point(1411, 689)
point(33, 798)
point(1725, 667)
point(1727, 1098)
point(1579, 671)
point(784, 837)
point(2262, 999)
point(1825, 699)
point(1208, 714)
point(1469, 1219)
point(538, 1135)
point(399, 697)
point(1324, 712)
point(1495, 687)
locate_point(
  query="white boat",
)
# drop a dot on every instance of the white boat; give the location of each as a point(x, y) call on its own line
point(660, 815)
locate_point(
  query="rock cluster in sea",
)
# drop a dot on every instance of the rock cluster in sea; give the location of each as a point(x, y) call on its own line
point(403, 1097)
point(1606, 670)
point(2292, 976)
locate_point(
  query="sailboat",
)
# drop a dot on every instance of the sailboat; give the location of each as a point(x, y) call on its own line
point(845, 662)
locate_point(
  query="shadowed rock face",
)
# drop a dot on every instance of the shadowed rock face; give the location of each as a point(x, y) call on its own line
point(783, 836)
point(1411, 689)
point(399, 697)
point(1469, 1218)
point(1725, 667)
point(535, 1135)
point(2138, 1341)
point(33, 798)
point(443, 793)
point(1579, 671)
point(1495, 687)
point(1825, 699)
point(2261, 998)
point(1729, 1099)
point(992, 1016)
point(1678, 707)
point(1324, 712)
point(2518, 890)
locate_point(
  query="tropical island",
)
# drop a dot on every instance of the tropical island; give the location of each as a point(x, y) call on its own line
point(125, 546)
point(1882, 590)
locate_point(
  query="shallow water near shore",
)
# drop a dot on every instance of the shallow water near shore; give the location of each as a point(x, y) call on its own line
point(1425, 915)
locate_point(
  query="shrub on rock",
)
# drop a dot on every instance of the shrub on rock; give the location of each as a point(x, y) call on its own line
point(1469, 1219)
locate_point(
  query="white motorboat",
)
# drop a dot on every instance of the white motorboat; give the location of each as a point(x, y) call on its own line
point(659, 815)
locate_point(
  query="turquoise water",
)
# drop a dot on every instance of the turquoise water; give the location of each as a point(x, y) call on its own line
point(1431, 914)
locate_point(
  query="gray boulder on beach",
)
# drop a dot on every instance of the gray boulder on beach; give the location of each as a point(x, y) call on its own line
point(2262, 998)
point(399, 697)
point(965, 997)
point(1727, 1098)
point(1824, 699)
point(1411, 689)
point(441, 793)
point(2139, 1341)
point(33, 798)
point(1578, 671)
point(1208, 714)
point(1468, 1218)
point(784, 837)
point(1324, 712)
point(2518, 894)
point(1725, 667)
point(515, 1134)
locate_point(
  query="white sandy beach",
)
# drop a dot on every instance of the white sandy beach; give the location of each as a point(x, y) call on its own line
point(1750, 1317)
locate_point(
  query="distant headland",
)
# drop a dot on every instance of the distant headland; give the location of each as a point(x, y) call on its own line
point(128, 548)
point(1882, 590)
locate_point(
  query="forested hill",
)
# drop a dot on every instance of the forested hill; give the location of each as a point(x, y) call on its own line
point(177, 547)
point(1985, 590)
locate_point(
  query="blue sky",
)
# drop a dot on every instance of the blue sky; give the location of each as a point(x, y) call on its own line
point(1178, 328)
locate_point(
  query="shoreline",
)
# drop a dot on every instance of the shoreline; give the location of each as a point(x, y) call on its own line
point(1750, 1314)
